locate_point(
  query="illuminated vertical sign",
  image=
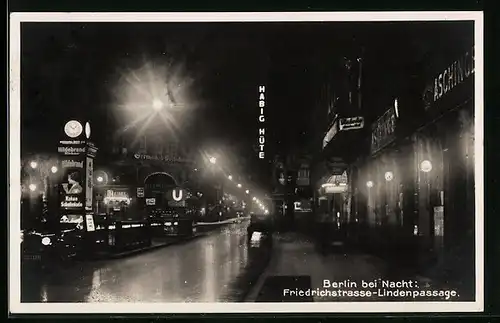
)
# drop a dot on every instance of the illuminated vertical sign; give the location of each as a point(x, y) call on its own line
point(262, 129)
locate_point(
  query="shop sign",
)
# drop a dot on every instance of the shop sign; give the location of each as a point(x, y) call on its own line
point(89, 219)
point(338, 179)
point(151, 201)
point(140, 192)
point(89, 183)
point(71, 163)
point(453, 75)
point(71, 151)
point(383, 130)
point(343, 124)
point(262, 119)
point(351, 123)
point(176, 194)
point(335, 189)
point(116, 194)
point(331, 133)
point(159, 158)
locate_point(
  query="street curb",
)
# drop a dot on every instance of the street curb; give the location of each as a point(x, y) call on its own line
point(252, 293)
point(152, 248)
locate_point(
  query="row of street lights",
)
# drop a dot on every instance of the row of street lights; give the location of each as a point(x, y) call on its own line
point(425, 166)
point(213, 160)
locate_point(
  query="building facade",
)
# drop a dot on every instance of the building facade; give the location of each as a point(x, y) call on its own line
point(416, 185)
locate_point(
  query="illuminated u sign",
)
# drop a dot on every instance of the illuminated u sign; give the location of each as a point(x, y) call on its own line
point(175, 196)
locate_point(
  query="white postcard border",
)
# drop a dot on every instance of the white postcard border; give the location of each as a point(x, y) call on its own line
point(15, 305)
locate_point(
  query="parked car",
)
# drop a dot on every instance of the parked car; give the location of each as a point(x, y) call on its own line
point(48, 244)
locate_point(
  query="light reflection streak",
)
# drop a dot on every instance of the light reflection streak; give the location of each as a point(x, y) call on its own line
point(208, 289)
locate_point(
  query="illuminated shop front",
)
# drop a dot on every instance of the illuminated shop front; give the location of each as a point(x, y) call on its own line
point(445, 155)
point(333, 194)
point(417, 185)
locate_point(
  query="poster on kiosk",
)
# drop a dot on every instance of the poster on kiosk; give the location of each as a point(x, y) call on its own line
point(77, 156)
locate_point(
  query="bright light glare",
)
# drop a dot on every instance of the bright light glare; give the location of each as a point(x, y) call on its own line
point(213, 160)
point(247, 191)
point(426, 166)
point(157, 104)
point(34, 164)
point(230, 177)
point(152, 96)
point(254, 198)
point(32, 187)
point(266, 211)
point(239, 185)
point(369, 184)
point(100, 179)
point(54, 169)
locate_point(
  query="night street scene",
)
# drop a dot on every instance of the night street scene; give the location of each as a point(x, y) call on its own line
point(230, 162)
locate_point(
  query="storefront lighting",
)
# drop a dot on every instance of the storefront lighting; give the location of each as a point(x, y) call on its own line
point(396, 108)
point(53, 169)
point(46, 241)
point(369, 184)
point(32, 187)
point(230, 177)
point(33, 164)
point(389, 176)
point(426, 166)
point(157, 104)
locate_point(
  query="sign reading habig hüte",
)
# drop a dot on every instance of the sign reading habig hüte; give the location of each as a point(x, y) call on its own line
point(262, 129)
point(77, 165)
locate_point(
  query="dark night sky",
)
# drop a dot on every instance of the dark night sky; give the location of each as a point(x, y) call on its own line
point(69, 68)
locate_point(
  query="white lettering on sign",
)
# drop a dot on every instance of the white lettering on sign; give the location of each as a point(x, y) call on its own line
point(112, 193)
point(454, 74)
point(175, 196)
point(71, 204)
point(70, 150)
point(71, 164)
point(262, 119)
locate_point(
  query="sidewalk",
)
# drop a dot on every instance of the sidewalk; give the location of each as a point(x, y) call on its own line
point(297, 265)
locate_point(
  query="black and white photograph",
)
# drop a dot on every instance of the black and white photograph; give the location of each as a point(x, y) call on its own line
point(320, 162)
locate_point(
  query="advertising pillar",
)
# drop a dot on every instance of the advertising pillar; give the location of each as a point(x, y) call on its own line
point(77, 156)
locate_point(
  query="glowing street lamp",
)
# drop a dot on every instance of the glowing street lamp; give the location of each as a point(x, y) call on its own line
point(33, 164)
point(100, 179)
point(32, 187)
point(369, 184)
point(389, 176)
point(157, 104)
point(247, 191)
point(254, 198)
point(53, 169)
point(239, 185)
point(212, 160)
point(230, 177)
point(426, 166)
